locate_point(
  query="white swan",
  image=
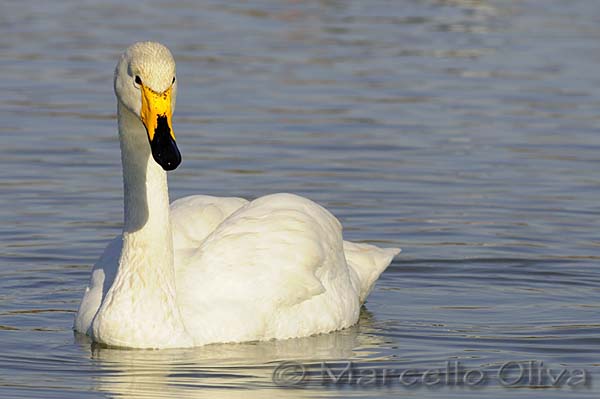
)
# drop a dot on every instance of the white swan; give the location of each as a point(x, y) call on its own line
point(205, 269)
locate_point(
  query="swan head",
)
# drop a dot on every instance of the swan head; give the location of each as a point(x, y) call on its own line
point(145, 84)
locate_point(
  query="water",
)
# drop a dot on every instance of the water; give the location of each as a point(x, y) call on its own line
point(463, 131)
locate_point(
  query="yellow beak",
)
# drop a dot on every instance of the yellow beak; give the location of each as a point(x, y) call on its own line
point(156, 106)
point(156, 116)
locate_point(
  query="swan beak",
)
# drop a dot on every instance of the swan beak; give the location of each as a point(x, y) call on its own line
point(156, 116)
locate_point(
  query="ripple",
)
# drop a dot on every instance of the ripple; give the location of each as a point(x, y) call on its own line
point(463, 131)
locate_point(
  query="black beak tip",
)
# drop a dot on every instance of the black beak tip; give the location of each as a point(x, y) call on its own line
point(164, 148)
point(168, 158)
point(170, 167)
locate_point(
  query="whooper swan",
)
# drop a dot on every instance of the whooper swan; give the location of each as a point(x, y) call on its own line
point(206, 269)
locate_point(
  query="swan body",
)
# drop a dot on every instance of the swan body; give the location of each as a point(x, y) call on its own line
point(206, 269)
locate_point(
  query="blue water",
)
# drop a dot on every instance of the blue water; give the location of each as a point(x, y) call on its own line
point(463, 131)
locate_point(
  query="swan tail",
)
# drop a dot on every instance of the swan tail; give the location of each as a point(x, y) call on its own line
point(368, 262)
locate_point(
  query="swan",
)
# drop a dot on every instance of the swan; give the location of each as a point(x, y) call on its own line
point(204, 269)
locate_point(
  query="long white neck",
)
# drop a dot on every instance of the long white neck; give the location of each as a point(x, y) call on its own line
point(146, 193)
point(141, 305)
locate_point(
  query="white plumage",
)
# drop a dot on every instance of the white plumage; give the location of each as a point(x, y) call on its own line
point(207, 269)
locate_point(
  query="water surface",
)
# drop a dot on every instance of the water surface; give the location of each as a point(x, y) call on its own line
point(463, 131)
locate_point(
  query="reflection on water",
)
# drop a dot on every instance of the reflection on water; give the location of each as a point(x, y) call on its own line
point(463, 131)
point(228, 370)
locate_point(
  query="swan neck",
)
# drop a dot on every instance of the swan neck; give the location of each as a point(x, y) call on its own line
point(140, 309)
point(146, 194)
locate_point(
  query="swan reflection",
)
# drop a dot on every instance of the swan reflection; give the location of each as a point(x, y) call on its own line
point(242, 370)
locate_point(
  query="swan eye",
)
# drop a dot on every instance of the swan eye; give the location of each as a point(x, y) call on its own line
point(138, 80)
point(173, 82)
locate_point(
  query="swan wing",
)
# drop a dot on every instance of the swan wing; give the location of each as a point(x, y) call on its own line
point(193, 218)
point(275, 268)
